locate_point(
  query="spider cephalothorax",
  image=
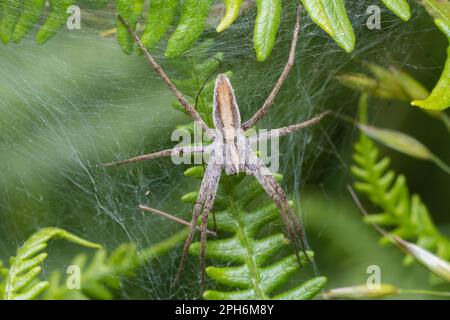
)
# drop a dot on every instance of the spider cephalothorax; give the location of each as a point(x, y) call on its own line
point(230, 151)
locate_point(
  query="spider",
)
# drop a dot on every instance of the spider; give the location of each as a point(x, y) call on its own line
point(229, 151)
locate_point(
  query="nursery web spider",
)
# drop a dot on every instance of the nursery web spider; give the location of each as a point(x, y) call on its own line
point(229, 151)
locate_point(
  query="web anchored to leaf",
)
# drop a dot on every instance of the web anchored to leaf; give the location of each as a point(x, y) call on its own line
point(258, 272)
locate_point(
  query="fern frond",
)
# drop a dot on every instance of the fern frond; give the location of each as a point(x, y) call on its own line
point(21, 278)
point(256, 272)
point(103, 274)
point(17, 17)
point(406, 214)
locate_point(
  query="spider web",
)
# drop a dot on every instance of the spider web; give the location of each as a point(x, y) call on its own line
point(78, 101)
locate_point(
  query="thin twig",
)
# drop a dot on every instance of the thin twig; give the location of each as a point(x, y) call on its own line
point(173, 218)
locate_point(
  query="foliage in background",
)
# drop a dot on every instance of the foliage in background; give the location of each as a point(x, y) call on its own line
point(20, 280)
point(196, 79)
point(100, 279)
point(403, 143)
point(394, 84)
point(391, 83)
point(439, 99)
point(193, 96)
point(406, 214)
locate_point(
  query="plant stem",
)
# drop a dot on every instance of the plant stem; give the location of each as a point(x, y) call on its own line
point(428, 292)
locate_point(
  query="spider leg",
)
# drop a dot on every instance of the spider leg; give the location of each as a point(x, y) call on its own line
point(159, 154)
point(183, 101)
point(289, 129)
point(204, 201)
point(275, 191)
point(287, 68)
point(214, 184)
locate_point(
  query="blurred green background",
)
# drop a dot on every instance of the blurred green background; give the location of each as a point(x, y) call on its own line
point(78, 101)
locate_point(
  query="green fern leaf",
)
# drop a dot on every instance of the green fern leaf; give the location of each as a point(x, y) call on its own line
point(160, 17)
point(55, 20)
point(20, 280)
point(103, 274)
point(94, 4)
point(266, 27)
point(405, 214)
point(332, 17)
point(190, 27)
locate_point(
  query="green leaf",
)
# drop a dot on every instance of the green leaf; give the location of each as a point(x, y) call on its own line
point(10, 11)
point(306, 291)
point(332, 17)
point(362, 292)
point(399, 7)
point(55, 20)
point(21, 282)
point(391, 83)
point(439, 9)
point(403, 143)
point(252, 264)
point(231, 13)
point(398, 141)
point(130, 11)
point(190, 27)
point(240, 213)
point(266, 27)
point(386, 83)
point(160, 17)
point(30, 15)
point(102, 276)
